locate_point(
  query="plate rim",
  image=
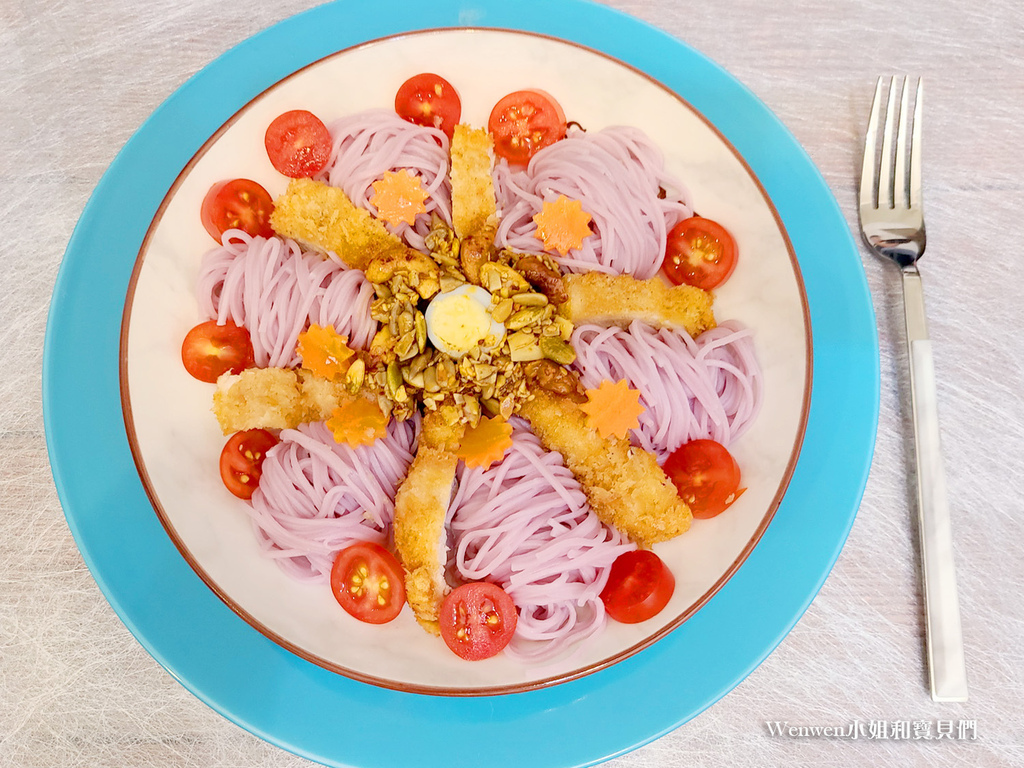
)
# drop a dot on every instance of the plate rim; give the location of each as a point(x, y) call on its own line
point(86, 496)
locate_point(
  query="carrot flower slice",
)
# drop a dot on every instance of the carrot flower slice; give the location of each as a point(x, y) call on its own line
point(486, 443)
point(613, 409)
point(324, 352)
point(399, 197)
point(360, 421)
point(562, 225)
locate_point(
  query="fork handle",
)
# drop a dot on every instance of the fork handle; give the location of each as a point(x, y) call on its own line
point(947, 669)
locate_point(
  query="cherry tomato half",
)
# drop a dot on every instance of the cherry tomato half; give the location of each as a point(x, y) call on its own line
point(477, 620)
point(241, 461)
point(706, 476)
point(639, 586)
point(523, 123)
point(700, 252)
point(298, 144)
point(430, 100)
point(368, 582)
point(237, 204)
point(210, 350)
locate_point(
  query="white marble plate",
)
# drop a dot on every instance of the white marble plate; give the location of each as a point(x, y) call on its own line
point(176, 441)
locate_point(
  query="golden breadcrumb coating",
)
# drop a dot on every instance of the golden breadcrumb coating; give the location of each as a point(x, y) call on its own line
point(322, 218)
point(621, 299)
point(421, 507)
point(625, 486)
point(474, 206)
point(321, 396)
point(274, 398)
point(442, 427)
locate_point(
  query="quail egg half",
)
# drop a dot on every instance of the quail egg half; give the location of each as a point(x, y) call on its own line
point(460, 319)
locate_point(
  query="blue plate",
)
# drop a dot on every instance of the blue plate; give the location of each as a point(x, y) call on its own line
point(304, 708)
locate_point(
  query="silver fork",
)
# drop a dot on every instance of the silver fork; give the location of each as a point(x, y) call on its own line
point(892, 222)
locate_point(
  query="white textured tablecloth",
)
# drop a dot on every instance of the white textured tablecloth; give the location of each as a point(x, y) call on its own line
point(76, 80)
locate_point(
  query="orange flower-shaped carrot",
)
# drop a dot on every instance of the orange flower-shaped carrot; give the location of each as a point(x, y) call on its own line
point(562, 225)
point(486, 443)
point(613, 409)
point(324, 351)
point(360, 421)
point(399, 197)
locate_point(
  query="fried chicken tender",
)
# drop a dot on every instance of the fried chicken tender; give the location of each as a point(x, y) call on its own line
point(442, 427)
point(625, 486)
point(274, 398)
point(474, 206)
point(322, 218)
point(421, 509)
point(621, 299)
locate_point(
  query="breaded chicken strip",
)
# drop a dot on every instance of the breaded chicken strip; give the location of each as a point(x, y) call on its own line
point(421, 508)
point(474, 206)
point(274, 398)
point(322, 218)
point(621, 299)
point(625, 486)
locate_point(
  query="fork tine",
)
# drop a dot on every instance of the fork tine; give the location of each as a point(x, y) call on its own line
point(915, 148)
point(899, 191)
point(869, 167)
point(885, 168)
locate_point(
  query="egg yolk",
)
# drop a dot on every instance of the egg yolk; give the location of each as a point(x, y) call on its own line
point(459, 322)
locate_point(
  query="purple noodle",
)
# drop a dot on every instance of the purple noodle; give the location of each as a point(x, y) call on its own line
point(619, 177)
point(274, 289)
point(368, 144)
point(317, 496)
point(525, 524)
point(708, 387)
